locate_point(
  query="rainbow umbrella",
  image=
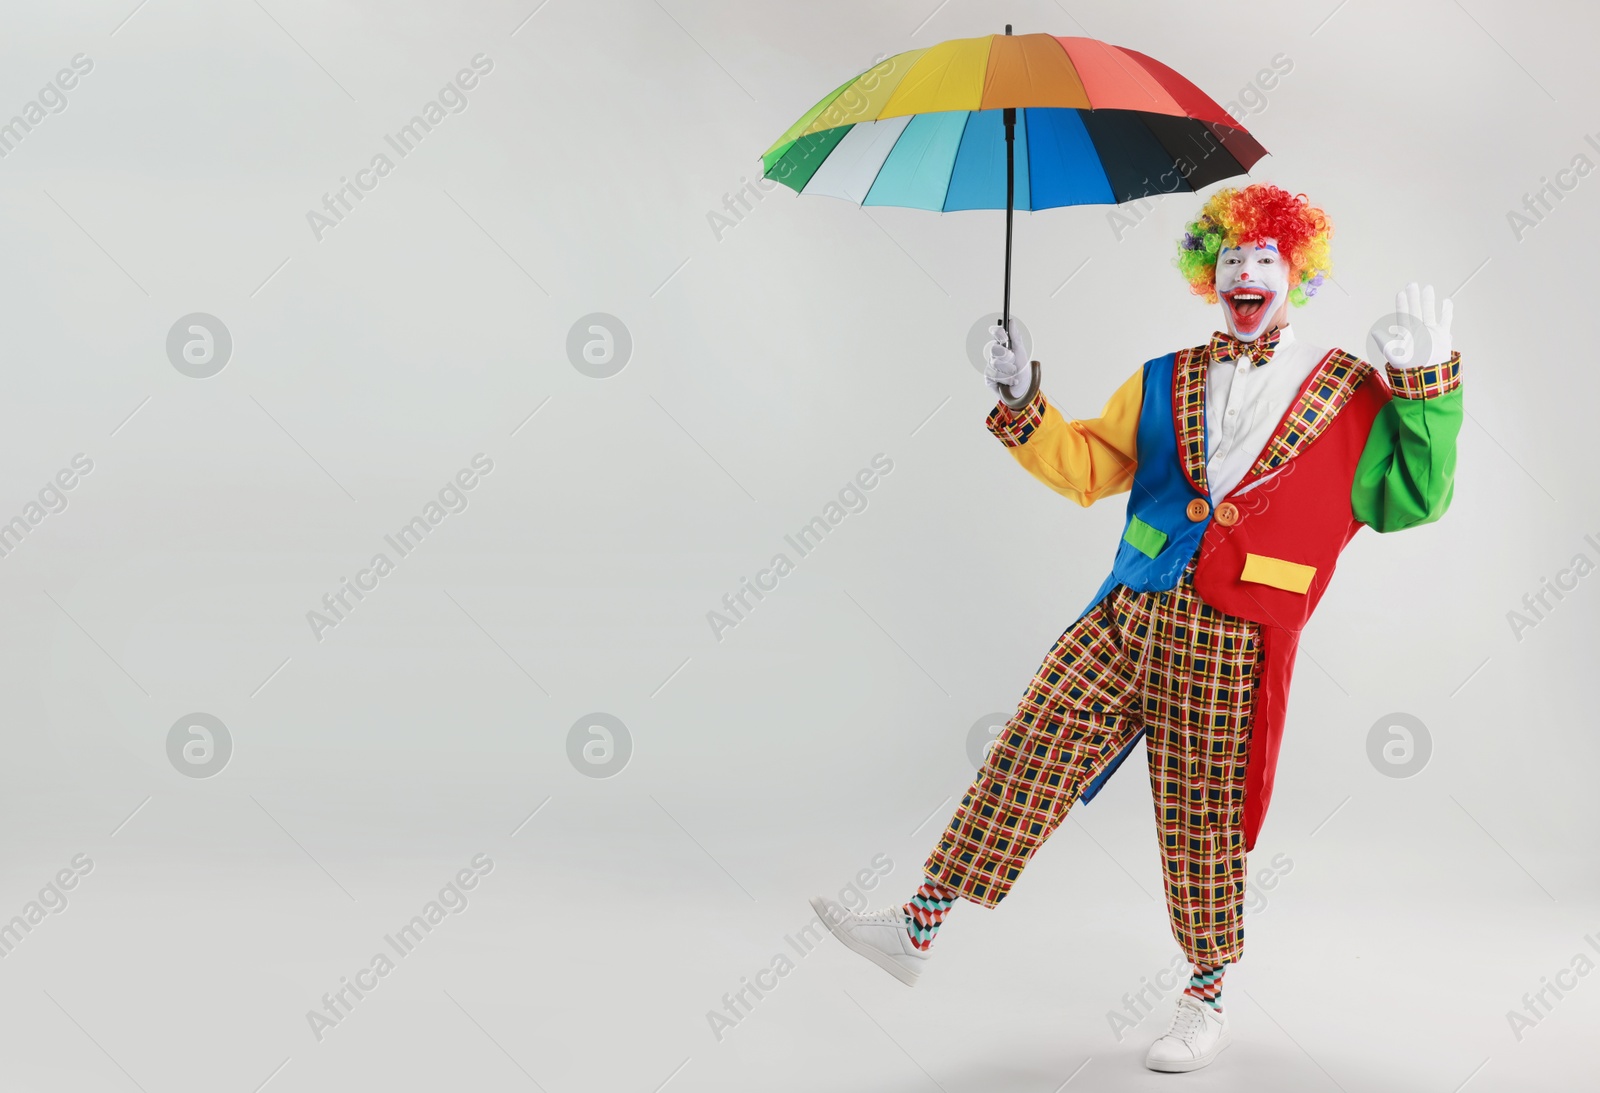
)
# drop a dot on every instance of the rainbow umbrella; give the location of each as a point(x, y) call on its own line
point(1027, 121)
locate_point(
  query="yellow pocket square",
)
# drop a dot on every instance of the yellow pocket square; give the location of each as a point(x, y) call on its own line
point(1289, 576)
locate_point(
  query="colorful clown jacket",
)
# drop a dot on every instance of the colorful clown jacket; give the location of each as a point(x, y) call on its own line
point(1351, 451)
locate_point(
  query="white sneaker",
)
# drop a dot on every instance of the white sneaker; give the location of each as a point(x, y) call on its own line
point(880, 936)
point(1197, 1036)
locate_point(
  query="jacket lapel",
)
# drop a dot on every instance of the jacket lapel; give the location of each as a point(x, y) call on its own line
point(1329, 387)
point(1189, 412)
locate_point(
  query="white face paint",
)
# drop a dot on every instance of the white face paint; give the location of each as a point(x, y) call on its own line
point(1253, 286)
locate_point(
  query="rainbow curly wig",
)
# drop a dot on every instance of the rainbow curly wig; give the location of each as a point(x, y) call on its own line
point(1259, 211)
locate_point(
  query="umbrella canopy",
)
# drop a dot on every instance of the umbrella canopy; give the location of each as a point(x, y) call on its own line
point(1095, 124)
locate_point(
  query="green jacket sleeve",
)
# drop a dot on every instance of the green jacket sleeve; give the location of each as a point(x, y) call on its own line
point(1406, 475)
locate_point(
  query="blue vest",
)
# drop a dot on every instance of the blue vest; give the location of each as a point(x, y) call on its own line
point(1158, 538)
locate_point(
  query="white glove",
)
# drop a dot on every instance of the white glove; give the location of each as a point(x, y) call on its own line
point(1008, 366)
point(1417, 304)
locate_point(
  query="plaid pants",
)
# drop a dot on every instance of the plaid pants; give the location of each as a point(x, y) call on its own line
point(1166, 661)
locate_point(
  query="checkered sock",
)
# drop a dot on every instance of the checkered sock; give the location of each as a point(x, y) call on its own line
point(926, 911)
point(1206, 984)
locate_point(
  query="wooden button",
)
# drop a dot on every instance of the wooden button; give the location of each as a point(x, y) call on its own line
point(1227, 514)
point(1198, 509)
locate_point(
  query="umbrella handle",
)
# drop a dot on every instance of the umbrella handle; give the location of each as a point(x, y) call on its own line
point(1027, 397)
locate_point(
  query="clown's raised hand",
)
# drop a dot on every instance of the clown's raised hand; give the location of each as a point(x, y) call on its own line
point(1418, 322)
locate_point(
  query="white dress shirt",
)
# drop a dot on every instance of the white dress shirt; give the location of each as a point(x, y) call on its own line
point(1245, 402)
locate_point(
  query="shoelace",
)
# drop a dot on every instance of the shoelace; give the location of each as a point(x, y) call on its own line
point(889, 916)
point(1186, 1024)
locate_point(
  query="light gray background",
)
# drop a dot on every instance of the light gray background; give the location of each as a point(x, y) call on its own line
point(769, 365)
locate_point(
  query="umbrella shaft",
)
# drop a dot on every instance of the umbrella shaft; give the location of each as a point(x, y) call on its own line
point(1010, 116)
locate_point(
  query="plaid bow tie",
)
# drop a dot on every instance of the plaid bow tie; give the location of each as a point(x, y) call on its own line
point(1225, 347)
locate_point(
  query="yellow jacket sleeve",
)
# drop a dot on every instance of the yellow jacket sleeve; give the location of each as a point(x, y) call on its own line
point(1084, 459)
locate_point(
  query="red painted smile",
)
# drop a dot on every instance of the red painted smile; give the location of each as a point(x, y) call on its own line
point(1249, 305)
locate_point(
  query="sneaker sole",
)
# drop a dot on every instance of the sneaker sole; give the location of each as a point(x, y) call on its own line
point(882, 960)
point(1193, 1064)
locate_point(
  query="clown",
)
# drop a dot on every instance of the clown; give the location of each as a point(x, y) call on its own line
point(1250, 461)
